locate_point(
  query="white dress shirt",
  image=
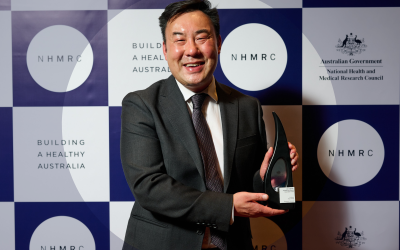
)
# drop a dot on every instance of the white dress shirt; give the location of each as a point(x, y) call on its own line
point(212, 114)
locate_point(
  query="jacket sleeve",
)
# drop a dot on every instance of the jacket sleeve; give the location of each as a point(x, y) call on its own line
point(258, 183)
point(156, 191)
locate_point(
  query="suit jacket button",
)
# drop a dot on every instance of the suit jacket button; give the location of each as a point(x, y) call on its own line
point(199, 232)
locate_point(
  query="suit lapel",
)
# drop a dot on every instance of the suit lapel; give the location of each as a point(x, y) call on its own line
point(174, 105)
point(229, 117)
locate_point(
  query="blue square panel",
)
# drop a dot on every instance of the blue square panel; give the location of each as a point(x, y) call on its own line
point(119, 189)
point(261, 54)
point(58, 225)
point(5, 4)
point(351, 152)
point(136, 4)
point(6, 155)
point(349, 3)
point(60, 58)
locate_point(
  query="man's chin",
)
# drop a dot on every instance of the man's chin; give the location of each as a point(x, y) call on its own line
point(196, 86)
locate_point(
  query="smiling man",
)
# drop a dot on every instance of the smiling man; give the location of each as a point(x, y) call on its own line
point(191, 147)
point(191, 47)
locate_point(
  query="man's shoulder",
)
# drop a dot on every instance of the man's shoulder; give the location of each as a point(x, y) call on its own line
point(237, 94)
point(152, 92)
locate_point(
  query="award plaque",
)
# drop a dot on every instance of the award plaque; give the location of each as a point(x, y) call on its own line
point(278, 182)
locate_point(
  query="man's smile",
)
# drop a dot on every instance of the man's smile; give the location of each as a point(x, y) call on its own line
point(194, 67)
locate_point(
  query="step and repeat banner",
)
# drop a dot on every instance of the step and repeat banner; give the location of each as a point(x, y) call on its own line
point(329, 69)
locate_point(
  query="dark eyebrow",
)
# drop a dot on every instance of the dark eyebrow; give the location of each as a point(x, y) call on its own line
point(203, 31)
point(177, 33)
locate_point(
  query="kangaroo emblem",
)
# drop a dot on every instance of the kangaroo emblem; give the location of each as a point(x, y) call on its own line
point(345, 41)
point(344, 234)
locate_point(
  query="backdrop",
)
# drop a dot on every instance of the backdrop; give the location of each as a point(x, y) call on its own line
point(330, 69)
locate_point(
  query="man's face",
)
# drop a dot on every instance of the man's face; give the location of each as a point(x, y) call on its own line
point(192, 49)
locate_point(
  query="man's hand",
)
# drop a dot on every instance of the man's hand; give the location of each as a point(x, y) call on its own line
point(245, 205)
point(293, 156)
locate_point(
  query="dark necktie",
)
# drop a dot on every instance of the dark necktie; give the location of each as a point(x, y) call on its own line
point(209, 156)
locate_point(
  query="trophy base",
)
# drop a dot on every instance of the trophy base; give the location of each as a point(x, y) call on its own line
point(282, 198)
point(281, 206)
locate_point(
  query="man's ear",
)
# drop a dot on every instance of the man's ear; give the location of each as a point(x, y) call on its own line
point(164, 49)
point(219, 42)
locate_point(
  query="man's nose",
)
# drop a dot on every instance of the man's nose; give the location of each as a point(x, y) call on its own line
point(191, 48)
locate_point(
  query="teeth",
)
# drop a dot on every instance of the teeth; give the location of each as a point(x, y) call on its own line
point(192, 65)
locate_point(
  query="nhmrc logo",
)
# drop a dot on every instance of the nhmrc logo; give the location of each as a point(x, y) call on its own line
point(350, 153)
point(62, 233)
point(59, 58)
point(257, 65)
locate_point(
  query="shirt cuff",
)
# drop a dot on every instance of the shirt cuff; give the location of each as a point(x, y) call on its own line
point(233, 214)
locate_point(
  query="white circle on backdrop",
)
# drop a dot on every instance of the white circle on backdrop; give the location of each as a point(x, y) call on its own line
point(240, 64)
point(351, 153)
point(62, 231)
point(59, 58)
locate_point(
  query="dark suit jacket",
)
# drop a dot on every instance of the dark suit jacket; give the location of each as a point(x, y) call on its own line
point(163, 167)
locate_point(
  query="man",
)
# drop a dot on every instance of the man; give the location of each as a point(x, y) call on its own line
point(191, 147)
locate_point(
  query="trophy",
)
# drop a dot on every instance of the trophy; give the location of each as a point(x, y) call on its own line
point(278, 181)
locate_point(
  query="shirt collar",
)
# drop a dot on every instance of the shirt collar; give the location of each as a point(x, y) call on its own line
point(210, 90)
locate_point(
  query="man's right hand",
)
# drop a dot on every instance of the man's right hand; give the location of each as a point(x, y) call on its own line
point(246, 205)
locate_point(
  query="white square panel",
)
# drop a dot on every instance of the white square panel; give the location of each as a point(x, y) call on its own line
point(5, 60)
point(352, 60)
point(135, 56)
point(291, 118)
point(59, 5)
point(255, 4)
point(359, 224)
point(284, 4)
point(119, 215)
point(61, 154)
point(7, 226)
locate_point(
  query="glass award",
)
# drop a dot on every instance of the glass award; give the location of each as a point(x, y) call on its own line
point(278, 181)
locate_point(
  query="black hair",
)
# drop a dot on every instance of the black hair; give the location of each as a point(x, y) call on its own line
point(174, 10)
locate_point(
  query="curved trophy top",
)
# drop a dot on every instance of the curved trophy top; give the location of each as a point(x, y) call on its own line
point(280, 135)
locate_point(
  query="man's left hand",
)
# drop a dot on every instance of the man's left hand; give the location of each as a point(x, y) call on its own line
point(293, 156)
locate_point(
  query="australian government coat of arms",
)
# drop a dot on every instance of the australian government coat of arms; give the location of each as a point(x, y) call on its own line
point(350, 238)
point(351, 45)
